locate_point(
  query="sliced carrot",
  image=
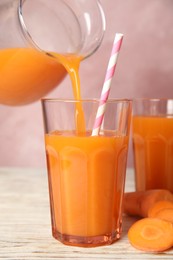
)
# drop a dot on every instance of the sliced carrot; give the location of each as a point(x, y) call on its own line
point(151, 235)
point(138, 203)
point(159, 205)
point(165, 214)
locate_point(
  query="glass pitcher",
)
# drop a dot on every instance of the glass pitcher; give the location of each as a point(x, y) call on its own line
point(31, 29)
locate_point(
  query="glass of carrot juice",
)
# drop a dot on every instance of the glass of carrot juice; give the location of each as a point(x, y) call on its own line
point(86, 173)
point(153, 143)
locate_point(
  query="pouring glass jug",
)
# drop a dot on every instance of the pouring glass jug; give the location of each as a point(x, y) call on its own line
point(31, 29)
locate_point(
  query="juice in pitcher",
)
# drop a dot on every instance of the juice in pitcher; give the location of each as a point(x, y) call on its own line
point(26, 75)
point(153, 152)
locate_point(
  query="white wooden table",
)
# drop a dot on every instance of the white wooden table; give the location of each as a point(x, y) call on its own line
point(25, 231)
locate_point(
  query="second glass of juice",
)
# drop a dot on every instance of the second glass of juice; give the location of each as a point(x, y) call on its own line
point(86, 173)
point(153, 143)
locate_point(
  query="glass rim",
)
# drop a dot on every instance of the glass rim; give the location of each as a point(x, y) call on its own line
point(87, 100)
point(152, 99)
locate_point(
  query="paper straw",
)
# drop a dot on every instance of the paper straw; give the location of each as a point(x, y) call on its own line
point(107, 83)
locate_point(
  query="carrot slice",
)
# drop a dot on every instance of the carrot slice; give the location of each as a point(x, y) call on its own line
point(151, 235)
point(138, 203)
point(159, 205)
point(165, 214)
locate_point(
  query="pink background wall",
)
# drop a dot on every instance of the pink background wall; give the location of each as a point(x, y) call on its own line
point(145, 69)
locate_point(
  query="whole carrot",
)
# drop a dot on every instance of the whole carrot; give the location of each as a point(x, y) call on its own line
point(138, 203)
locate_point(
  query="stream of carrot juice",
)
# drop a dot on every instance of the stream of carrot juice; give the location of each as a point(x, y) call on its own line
point(71, 63)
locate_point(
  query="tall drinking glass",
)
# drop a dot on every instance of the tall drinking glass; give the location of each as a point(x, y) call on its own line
point(86, 173)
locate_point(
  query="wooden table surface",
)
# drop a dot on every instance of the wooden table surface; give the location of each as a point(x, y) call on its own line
point(25, 231)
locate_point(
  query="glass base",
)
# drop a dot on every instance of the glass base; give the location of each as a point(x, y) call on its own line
point(88, 241)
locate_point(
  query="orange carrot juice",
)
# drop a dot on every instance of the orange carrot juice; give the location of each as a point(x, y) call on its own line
point(26, 75)
point(86, 177)
point(72, 63)
point(153, 152)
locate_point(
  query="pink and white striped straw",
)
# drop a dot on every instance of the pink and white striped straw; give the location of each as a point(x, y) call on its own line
point(107, 83)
